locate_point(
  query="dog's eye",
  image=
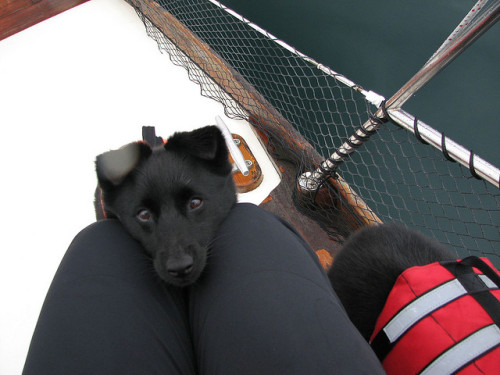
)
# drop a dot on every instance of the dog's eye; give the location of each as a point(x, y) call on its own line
point(144, 216)
point(195, 203)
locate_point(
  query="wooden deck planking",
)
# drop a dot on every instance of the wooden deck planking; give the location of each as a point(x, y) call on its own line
point(17, 15)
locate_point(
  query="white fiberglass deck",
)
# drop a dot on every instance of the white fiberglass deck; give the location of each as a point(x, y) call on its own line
point(72, 87)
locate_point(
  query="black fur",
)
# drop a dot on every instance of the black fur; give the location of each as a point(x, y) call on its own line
point(172, 199)
point(367, 266)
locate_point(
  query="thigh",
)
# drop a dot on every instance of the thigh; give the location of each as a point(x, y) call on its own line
point(106, 312)
point(265, 306)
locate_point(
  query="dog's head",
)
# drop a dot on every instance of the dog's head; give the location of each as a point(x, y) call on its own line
point(171, 199)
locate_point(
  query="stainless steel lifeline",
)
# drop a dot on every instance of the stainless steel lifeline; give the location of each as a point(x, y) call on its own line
point(481, 17)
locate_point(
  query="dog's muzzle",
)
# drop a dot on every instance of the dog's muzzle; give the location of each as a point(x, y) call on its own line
point(180, 267)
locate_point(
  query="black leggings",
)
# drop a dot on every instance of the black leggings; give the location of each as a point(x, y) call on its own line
point(262, 306)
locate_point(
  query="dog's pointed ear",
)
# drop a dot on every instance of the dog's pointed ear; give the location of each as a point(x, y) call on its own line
point(205, 143)
point(113, 167)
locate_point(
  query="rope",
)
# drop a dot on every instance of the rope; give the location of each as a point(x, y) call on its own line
point(471, 166)
point(444, 150)
point(417, 132)
point(419, 137)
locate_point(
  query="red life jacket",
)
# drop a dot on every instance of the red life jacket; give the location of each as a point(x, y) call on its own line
point(442, 318)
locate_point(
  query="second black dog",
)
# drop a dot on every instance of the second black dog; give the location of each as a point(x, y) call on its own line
point(367, 266)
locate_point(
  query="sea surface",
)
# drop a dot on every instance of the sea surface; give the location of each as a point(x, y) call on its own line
point(380, 45)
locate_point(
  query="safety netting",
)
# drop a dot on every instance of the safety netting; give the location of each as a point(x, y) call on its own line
point(305, 111)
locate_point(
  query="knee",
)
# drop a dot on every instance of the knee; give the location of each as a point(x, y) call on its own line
point(249, 218)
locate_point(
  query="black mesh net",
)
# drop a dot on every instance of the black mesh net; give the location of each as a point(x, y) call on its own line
point(305, 114)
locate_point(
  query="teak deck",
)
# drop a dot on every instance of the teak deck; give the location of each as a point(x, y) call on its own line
point(17, 15)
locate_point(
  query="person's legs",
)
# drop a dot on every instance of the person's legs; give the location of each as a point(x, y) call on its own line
point(265, 306)
point(106, 312)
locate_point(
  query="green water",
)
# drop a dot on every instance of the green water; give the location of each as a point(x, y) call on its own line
point(381, 44)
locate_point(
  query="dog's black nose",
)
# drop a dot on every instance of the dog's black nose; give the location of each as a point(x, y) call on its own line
point(180, 267)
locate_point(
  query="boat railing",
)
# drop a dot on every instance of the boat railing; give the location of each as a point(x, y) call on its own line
point(481, 17)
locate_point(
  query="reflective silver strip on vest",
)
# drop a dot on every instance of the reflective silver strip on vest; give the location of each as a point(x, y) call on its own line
point(427, 303)
point(422, 307)
point(490, 284)
point(466, 351)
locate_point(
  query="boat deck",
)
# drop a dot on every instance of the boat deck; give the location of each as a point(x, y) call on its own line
point(73, 86)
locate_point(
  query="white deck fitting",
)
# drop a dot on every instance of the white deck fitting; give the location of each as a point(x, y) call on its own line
point(71, 87)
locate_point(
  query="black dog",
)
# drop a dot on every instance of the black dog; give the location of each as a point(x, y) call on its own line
point(367, 266)
point(170, 198)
